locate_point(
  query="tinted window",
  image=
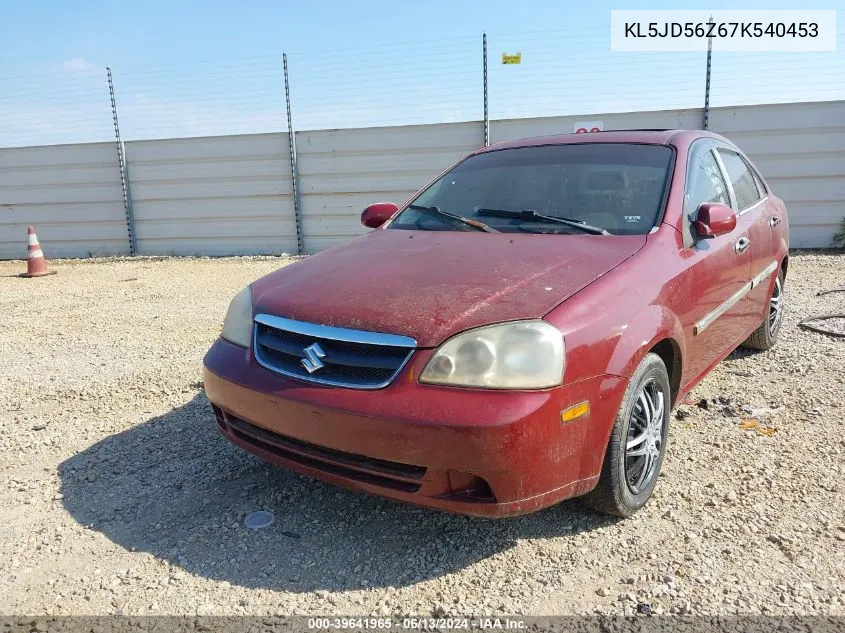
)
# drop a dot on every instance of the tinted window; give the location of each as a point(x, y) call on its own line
point(760, 186)
point(617, 187)
point(743, 182)
point(706, 183)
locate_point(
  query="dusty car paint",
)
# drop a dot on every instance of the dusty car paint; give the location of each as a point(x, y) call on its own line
point(614, 298)
point(430, 285)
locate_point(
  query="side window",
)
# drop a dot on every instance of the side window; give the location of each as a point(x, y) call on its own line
point(745, 188)
point(705, 183)
point(760, 186)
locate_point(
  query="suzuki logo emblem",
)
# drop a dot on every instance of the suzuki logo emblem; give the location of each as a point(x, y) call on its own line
point(313, 354)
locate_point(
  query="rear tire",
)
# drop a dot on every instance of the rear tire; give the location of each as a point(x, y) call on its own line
point(637, 443)
point(765, 336)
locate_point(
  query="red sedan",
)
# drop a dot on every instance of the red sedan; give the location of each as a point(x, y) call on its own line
point(518, 332)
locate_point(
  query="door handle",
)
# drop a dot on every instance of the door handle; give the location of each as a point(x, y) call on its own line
point(742, 244)
point(774, 221)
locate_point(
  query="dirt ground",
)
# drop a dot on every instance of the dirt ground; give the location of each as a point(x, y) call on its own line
point(118, 495)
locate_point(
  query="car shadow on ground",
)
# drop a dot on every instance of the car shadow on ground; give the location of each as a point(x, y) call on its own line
point(175, 488)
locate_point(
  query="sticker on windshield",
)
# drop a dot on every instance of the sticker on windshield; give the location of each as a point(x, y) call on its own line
point(633, 218)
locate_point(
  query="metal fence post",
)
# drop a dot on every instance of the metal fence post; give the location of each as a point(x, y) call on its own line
point(486, 113)
point(707, 81)
point(294, 171)
point(124, 179)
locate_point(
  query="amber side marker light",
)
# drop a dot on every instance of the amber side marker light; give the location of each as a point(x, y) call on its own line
point(575, 412)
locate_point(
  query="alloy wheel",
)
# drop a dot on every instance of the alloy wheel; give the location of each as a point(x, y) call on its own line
point(775, 307)
point(645, 437)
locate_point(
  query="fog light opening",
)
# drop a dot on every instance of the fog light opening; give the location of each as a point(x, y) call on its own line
point(470, 487)
point(221, 419)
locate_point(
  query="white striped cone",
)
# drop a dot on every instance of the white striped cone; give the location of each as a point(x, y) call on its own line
point(36, 265)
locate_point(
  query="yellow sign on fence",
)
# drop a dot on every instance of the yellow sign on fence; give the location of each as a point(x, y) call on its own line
point(511, 59)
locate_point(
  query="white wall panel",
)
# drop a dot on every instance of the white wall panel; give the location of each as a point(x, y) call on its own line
point(232, 194)
point(800, 150)
point(224, 195)
point(342, 171)
point(511, 129)
point(71, 194)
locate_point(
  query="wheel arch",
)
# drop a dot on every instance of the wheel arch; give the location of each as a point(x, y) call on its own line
point(670, 353)
point(658, 330)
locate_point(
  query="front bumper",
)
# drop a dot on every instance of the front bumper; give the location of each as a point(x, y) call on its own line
point(471, 451)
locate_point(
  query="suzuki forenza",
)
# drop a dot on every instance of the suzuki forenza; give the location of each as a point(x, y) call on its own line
point(518, 332)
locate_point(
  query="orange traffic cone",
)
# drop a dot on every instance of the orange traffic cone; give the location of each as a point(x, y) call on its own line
point(36, 265)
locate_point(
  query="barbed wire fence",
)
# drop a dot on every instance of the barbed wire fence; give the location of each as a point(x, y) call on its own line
point(408, 82)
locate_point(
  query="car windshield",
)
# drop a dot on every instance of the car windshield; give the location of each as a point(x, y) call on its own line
point(613, 187)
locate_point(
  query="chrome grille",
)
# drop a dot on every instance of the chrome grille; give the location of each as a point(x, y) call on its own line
point(328, 355)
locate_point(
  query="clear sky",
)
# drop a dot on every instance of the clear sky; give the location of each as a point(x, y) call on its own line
point(185, 68)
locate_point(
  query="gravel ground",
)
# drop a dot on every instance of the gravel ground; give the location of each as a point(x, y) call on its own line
point(117, 494)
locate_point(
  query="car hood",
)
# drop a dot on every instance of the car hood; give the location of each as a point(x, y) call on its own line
point(432, 284)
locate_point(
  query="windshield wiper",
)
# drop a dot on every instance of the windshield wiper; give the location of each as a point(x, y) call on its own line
point(531, 214)
point(480, 226)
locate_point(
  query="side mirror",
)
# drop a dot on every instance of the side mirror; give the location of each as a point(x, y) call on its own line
point(713, 219)
point(377, 214)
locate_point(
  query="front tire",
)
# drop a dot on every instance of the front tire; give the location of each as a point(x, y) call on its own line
point(765, 336)
point(637, 443)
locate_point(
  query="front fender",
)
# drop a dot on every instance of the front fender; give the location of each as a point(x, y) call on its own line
point(610, 325)
point(613, 345)
point(645, 330)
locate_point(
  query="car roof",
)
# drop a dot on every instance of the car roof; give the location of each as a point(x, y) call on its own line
point(653, 137)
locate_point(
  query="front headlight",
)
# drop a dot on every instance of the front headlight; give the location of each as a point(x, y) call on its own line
point(237, 327)
point(518, 355)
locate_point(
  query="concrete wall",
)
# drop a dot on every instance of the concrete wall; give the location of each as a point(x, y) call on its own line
point(230, 195)
point(800, 150)
point(510, 129)
point(70, 193)
point(798, 147)
point(223, 195)
point(342, 171)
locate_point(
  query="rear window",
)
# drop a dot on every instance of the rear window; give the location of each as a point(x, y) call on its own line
point(614, 186)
